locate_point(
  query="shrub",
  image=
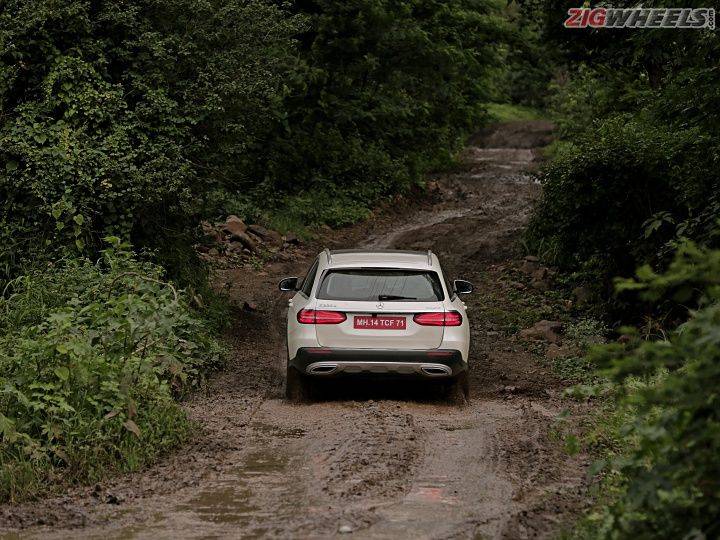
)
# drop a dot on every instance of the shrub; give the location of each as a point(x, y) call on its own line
point(671, 486)
point(384, 91)
point(639, 170)
point(119, 116)
point(128, 118)
point(603, 196)
point(91, 356)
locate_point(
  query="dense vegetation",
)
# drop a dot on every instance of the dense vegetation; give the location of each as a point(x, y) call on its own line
point(636, 171)
point(669, 473)
point(135, 120)
point(633, 182)
point(91, 356)
point(118, 117)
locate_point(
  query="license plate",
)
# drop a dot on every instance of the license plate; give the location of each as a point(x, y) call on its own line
point(379, 323)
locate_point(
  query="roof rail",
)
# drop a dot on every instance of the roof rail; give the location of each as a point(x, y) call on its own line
point(329, 255)
point(429, 258)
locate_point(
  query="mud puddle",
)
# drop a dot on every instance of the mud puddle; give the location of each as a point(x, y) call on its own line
point(230, 499)
point(374, 462)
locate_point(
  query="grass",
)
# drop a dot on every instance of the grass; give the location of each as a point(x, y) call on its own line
point(507, 112)
point(574, 368)
point(556, 148)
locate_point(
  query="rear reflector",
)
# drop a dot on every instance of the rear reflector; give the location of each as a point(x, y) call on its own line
point(315, 316)
point(439, 318)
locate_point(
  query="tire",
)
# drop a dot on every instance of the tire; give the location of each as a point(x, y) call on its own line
point(458, 391)
point(298, 388)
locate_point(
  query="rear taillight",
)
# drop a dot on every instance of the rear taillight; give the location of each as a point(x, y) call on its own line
point(439, 318)
point(318, 316)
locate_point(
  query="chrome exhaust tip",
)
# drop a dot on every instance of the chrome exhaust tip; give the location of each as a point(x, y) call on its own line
point(322, 368)
point(435, 370)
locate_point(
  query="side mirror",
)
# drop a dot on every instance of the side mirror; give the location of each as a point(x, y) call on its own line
point(288, 284)
point(462, 287)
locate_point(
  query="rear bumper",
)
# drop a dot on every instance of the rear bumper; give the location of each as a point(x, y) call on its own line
point(326, 362)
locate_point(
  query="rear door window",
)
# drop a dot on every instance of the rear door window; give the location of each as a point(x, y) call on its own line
point(367, 285)
point(448, 283)
point(309, 279)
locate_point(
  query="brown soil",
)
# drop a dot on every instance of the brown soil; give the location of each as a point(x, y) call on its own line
point(386, 461)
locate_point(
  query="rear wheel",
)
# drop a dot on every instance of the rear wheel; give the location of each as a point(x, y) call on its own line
point(458, 390)
point(298, 388)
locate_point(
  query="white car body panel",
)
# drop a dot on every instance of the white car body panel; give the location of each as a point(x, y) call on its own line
point(345, 336)
point(412, 337)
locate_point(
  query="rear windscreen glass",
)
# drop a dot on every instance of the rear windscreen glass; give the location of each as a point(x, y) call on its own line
point(383, 285)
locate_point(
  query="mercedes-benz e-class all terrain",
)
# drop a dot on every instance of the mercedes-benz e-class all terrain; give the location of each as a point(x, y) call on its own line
point(390, 314)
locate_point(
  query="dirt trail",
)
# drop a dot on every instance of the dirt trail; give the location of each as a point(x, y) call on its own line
point(380, 462)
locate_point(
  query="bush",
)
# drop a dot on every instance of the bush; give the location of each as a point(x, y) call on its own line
point(529, 62)
point(637, 173)
point(128, 118)
point(671, 473)
point(119, 116)
point(91, 356)
point(616, 197)
point(384, 91)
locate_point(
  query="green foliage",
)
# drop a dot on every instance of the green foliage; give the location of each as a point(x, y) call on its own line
point(118, 116)
point(136, 118)
point(529, 63)
point(506, 112)
point(639, 170)
point(693, 277)
point(91, 356)
point(578, 367)
point(671, 474)
point(586, 332)
point(385, 90)
point(600, 195)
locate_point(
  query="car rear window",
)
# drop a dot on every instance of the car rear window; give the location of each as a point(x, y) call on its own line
point(385, 285)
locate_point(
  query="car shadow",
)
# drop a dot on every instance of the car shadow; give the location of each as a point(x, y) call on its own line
point(361, 388)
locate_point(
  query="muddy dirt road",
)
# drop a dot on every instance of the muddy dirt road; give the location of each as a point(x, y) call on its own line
point(380, 462)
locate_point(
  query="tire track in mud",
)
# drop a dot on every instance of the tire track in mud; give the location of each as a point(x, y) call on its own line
point(386, 461)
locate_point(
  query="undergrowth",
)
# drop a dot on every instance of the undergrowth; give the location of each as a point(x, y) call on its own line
point(92, 359)
point(656, 436)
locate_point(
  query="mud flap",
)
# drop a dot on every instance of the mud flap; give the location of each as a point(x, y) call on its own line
point(457, 391)
point(299, 388)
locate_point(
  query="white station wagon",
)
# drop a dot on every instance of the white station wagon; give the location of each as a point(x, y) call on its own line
point(380, 313)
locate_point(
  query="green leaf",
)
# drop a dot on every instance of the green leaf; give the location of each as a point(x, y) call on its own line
point(11, 166)
point(62, 372)
point(7, 428)
point(79, 219)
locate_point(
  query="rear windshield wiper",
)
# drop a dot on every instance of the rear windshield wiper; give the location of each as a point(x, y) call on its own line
point(395, 297)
